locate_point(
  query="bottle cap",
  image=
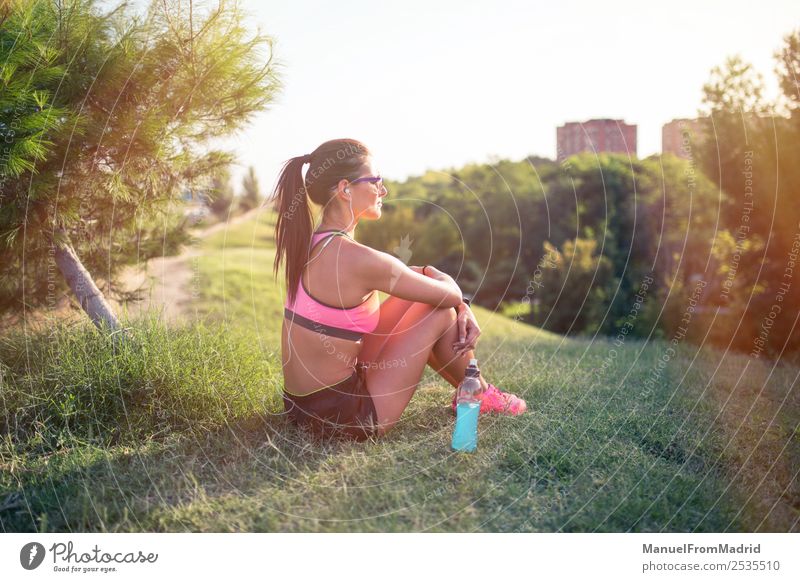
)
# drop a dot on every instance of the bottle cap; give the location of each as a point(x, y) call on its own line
point(472, 370)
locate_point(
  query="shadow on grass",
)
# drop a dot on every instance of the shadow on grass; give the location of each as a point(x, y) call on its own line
point(82, 488)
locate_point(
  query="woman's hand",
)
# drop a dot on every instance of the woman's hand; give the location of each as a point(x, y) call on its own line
point(468, 330)
point(437, 275)
point(433, 273)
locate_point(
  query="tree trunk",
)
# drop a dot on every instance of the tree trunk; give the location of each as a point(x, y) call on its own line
point(89, 297)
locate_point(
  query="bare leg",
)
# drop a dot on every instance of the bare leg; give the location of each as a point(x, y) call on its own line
point(450, 366)
point(441, 370)
point(392, 309)
point(441, 358)
point(404, 354)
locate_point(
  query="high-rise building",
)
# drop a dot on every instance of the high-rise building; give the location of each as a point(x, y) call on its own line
point(678, 135)
point(595, 135)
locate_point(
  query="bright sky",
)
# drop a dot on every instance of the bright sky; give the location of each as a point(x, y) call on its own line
point(435, 84)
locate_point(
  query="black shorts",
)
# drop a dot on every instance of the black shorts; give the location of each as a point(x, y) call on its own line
point(345, 409)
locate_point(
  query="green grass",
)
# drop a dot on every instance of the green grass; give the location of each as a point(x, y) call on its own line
point(181, 430)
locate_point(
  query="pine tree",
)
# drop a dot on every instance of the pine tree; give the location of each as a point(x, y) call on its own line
point(221, 193)
point(105, 117)
point(251, 193)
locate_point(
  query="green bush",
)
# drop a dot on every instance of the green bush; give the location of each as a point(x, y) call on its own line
point(75, 381)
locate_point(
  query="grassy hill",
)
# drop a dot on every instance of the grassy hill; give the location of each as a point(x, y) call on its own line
point(181, 429)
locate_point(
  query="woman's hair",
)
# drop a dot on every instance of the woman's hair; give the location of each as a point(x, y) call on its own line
point(335, 160)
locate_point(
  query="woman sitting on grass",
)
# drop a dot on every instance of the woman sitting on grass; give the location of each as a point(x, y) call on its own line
point(351, 363)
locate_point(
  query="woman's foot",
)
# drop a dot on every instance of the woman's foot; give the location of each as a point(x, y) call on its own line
point(493, 400)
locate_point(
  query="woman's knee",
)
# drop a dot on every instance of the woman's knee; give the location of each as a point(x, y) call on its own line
point(448, 317)
point(442, 320)
point(444, 316)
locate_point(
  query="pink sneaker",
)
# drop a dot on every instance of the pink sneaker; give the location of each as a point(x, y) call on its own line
point(493, 400)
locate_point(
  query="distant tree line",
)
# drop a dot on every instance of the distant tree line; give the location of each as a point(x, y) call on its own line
point(222, 200)
point(617, 246)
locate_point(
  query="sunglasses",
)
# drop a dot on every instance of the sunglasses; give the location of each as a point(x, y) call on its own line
point(377, 180)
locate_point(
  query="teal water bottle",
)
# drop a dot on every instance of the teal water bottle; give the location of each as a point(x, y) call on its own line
point(468, 407)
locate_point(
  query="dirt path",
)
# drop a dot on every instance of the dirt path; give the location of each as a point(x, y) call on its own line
point(167, 281)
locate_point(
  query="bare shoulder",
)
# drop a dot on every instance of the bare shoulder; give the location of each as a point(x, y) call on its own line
point(377, 270)
point(367, 260)
point(362, 263)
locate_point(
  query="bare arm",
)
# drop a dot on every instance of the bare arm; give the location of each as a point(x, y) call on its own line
point(389, 274)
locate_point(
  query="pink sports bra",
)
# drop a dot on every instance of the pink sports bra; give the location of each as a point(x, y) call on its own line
point(349, 323)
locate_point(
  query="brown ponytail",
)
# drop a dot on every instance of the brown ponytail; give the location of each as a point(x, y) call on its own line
point(335, 160)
